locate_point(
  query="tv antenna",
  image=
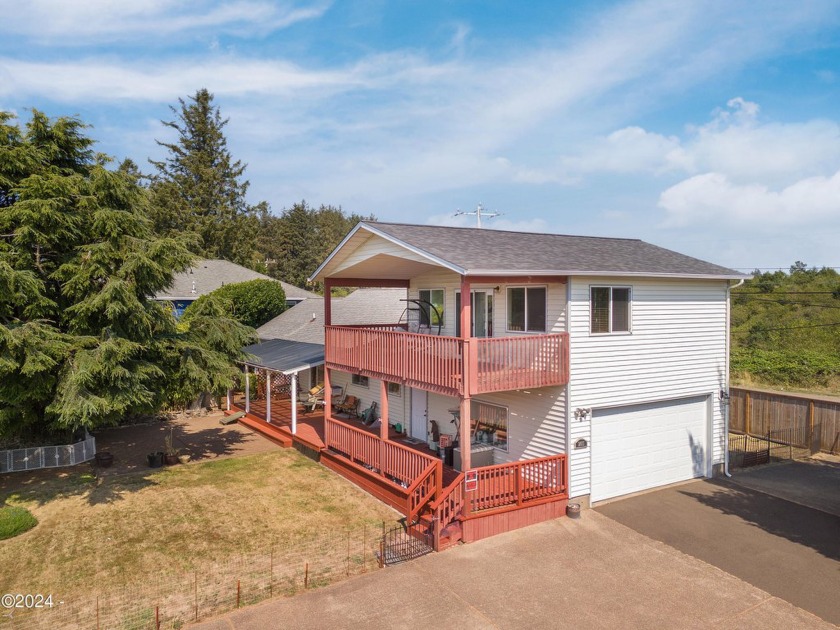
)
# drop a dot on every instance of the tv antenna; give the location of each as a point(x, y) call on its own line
point(479, 212)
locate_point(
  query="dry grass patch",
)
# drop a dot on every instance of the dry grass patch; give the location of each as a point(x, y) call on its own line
point(120, 529)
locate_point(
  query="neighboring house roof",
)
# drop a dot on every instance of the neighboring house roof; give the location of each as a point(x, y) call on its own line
point(208, 275)
point(305, 321)
point(474, 251)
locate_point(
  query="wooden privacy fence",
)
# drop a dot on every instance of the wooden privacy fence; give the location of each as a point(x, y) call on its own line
point(759, 412)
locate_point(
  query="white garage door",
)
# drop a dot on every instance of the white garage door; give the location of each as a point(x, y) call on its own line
point(644, 446)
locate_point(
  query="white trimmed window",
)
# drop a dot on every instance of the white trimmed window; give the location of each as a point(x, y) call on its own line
point(526, 309)
point(609, 310)
point(361, 381)
point(490, 424)
point(394, 389)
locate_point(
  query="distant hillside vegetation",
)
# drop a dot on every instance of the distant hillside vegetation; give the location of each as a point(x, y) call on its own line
point(786, 330)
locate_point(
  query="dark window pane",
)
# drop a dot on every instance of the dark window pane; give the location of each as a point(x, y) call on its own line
point(457, 314)
point(536, 309)
point(600, 310)
point(621, 310)
point(516, 309)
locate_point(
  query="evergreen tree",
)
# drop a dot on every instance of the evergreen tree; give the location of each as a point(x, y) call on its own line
point(199, 189)
point(81, 342)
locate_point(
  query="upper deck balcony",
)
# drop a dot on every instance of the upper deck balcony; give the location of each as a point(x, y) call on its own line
point(449, 365)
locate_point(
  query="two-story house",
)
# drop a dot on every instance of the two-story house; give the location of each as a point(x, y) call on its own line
point(578, 368)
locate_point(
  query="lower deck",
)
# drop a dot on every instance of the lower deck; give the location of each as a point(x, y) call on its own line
point(406, 474)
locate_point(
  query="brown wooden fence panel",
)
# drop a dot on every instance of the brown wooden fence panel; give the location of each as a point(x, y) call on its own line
point(759, 412)
point(827, 415)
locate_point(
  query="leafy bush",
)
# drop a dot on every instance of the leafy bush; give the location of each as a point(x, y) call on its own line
point(15, 520)
point(251, 303)
point(795, 368)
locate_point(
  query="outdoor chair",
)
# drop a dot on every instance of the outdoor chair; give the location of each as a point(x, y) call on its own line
point(368, 416)
point(350, 406)
point(314, 398)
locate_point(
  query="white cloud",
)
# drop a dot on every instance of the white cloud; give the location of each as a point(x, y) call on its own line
point(711, 198)
point(96, 21)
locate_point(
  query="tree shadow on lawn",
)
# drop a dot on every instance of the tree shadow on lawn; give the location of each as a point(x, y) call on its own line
point(799, 524)
point(130, 471)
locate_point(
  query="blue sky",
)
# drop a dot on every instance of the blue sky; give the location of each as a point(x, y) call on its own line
point(708, 127)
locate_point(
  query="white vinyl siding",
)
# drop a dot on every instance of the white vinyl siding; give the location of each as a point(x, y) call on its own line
point(398, 410)
point(677, 349)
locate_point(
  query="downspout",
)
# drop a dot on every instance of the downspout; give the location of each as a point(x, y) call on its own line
point(726, 400)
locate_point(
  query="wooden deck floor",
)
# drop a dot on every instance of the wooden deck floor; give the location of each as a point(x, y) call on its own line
point(310, 427)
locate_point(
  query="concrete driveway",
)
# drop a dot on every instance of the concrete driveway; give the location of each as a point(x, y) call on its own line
point(788, 549)
point(587, 573)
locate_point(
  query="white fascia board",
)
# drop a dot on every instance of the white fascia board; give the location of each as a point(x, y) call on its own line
point(598, 274)
point(420, 252)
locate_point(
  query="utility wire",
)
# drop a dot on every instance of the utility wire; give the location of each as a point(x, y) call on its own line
point(747, 332)
point(792, 302)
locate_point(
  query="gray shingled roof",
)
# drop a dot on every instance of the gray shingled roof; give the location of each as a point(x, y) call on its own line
point(481, 251)
point(209, 275)
point(284, 355)
point(305, 321)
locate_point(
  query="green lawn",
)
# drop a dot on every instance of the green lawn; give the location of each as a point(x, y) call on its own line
point(97, 532)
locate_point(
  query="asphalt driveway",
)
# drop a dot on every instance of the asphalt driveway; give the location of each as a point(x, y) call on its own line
point(577, 574)
point(775, 543)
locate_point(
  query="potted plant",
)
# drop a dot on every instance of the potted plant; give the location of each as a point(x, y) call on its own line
point(155, 459)
point(184, 458)
point(170, 453)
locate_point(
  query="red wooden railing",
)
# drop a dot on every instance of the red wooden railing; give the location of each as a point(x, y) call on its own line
point(447, 508)
point(436, 363)
point(518, 483)
point(426, 361)
point(398, 464)
point(424, 489)
point(505, 363)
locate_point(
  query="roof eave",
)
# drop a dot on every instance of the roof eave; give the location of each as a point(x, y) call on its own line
point(417, 250)
point(579, 273)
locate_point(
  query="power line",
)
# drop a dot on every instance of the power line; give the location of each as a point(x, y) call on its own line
point(747, 332)
point(792, 302)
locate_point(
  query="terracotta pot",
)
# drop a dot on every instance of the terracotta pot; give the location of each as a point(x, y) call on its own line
point(170, 459)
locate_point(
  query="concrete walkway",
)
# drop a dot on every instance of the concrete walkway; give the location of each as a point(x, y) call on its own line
point(589, 573)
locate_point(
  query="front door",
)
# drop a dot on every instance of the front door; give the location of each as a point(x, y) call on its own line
point(419, 400)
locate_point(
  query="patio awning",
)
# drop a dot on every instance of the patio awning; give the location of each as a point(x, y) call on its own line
point(282, 355)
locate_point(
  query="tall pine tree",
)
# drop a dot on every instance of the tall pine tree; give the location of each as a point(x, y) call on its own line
point(199, 188)
point(81, 341)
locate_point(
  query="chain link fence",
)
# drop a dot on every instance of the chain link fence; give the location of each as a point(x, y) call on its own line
point(172, 599)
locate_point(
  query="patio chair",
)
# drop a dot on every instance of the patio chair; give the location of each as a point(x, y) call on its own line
point(314, 398)
point(350, 405)
point(368, 416)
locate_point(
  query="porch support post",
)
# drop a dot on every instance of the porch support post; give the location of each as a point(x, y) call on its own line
point(294, 402)
point(466, 375)
point(383, 404)
point(247, 389)
point(466, 448)
point(327, 391)
point(328, 285)
point(268, 396)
